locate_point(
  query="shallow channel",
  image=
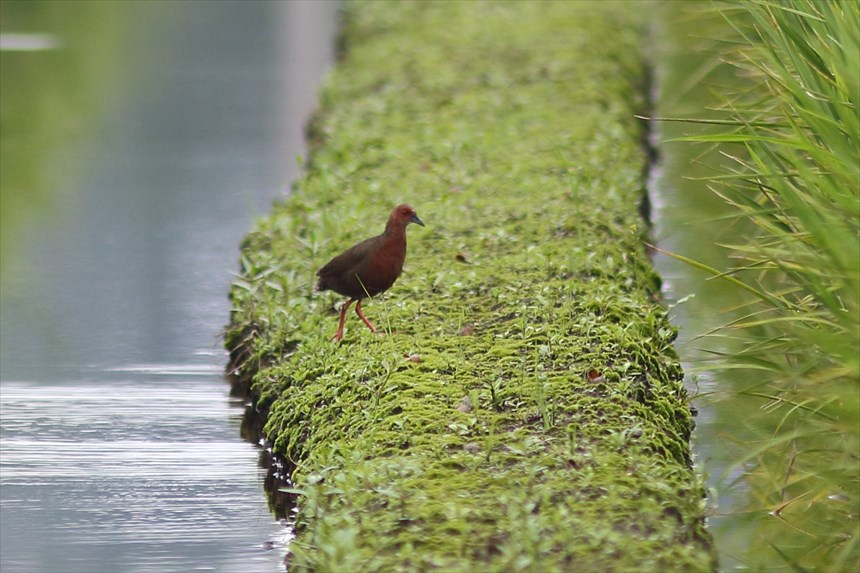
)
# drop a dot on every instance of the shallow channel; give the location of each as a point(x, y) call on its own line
point(161, 129)
point(690, 219)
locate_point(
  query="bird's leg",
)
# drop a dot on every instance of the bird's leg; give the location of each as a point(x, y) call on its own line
point(364, 318)
point(339, 334)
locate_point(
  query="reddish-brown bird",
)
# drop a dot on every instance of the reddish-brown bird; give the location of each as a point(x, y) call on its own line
point(370, 267)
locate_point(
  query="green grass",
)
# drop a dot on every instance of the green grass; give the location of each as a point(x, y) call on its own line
point(509, 127)
point(797, 357)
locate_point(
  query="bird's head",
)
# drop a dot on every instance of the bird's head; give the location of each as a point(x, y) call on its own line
point(403, 215)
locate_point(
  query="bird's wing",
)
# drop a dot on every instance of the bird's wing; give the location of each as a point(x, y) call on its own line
point(349, 259)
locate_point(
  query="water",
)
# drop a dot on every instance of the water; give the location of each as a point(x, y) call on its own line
point(164, 128)
point(691, 220)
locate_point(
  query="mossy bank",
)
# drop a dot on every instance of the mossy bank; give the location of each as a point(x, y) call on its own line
point(525, 409)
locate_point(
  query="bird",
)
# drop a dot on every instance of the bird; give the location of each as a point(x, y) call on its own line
point(369, 267)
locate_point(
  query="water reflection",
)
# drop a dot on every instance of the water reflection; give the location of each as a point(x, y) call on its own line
point(690, 219)
point(130, 475)
point(120, 444)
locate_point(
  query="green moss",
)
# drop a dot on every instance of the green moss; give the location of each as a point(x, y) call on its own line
point(509, 127)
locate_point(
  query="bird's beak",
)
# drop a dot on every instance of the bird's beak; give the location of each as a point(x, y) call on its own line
point(416, 220)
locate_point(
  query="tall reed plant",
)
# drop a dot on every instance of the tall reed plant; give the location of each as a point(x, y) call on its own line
point(798, 184)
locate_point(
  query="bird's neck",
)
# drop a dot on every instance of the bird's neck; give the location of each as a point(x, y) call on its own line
point(394, 239)
point(394, 230)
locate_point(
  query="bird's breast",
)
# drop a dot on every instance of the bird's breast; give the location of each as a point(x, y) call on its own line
point(383, 267)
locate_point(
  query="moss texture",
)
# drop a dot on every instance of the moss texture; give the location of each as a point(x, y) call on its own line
point(525, 408)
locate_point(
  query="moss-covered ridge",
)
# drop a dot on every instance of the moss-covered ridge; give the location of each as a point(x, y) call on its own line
point(525, 410)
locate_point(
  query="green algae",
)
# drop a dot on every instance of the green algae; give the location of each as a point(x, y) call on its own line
point(525, 409)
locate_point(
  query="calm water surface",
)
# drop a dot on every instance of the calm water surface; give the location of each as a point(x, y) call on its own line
point(119, 443)
point(692, 220)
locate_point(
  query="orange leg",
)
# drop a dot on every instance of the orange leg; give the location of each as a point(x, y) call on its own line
point(339, 334)
point(364, 318)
